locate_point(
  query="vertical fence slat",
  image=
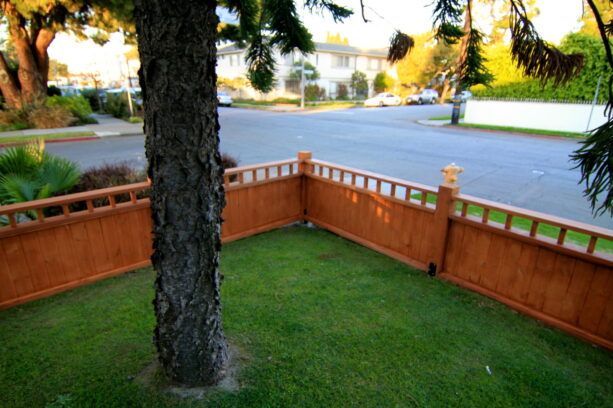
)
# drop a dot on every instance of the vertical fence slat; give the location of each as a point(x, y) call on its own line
point(592, 245)
point(41, 216)
point(534, 228)
point(509, 222)
point(561, 236)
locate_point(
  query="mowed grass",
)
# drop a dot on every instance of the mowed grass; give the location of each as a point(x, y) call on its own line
point(525, 224)
point(50, 136)
point(530, 131)
point(320, 322)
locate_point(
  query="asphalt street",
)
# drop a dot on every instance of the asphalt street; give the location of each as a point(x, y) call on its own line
point(525, 171)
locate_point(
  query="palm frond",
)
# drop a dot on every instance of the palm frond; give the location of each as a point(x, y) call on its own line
point(59, 173)
point(23, 159)
point(401, 44)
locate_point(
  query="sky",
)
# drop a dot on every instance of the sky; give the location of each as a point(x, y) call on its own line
point(557, 18)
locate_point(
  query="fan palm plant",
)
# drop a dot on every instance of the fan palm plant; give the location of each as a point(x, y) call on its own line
point(28, 172)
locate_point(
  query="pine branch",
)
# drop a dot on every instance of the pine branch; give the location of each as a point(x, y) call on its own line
point(401, 44)
point(472, 70)
point(536, 57)
point(338, 13)
point(247, 11)
point(288, 31)
point(447, 17)
point(261, 63)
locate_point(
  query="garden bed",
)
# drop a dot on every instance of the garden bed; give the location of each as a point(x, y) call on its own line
point(320, 322)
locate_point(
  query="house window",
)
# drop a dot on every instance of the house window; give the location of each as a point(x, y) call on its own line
point(341, 61)
point(292, 86)
point(375, 64)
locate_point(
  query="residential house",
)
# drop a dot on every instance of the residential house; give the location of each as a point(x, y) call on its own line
point(334, 62)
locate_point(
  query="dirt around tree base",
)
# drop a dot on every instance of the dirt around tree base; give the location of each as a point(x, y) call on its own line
point(152, 377)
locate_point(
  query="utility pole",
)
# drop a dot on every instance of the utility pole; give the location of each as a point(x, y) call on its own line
point(302, 85)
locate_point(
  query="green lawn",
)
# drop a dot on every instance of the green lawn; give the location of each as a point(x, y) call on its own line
point(526, 224)
point(525, 130)
point(50, 136)
point(321, 322)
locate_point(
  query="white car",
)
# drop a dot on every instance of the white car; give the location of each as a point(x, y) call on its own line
point(224, 99)
point(383, 99)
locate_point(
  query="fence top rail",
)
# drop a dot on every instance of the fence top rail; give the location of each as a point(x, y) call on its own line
point(376, 176)
point(72, 198)
point(537, 216)
point(243, 169)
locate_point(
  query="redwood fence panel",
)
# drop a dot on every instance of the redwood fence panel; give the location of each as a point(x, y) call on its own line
point(472, 242)
point(72, 248)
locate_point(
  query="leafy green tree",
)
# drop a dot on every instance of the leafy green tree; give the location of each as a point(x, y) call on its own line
point(382, 82)
point(359, 84)
point(296, 73)
point(32, 26)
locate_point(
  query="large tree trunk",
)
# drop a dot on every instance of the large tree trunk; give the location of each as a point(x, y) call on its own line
point(30, 83)
point(178, 56)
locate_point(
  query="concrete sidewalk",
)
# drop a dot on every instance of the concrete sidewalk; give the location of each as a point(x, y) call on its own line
point(106, 126)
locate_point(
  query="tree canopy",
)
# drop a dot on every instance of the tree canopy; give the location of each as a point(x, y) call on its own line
point(32, 26)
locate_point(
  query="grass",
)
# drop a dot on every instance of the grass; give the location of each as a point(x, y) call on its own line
point(525, 130)
point(525, 224)
point(321, 322)
point(50, 136)
point(444, 117)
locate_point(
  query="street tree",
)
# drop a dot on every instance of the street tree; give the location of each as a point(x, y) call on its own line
point(176, 40)
point(359, 84)
point(32, 26)
point(178, 56)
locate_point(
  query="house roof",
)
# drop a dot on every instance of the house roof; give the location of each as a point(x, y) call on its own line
point(319, 47)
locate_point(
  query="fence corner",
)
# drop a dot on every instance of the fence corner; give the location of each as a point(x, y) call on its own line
point(303, 156)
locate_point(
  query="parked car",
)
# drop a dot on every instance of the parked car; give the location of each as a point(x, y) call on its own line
point(383, 99)
point(224, 99)
point(425, 96)
point(463, 96)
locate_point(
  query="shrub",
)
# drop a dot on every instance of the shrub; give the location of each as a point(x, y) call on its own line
point(78, 106)
point(342, 92)
point(93, 97)
point(117, 105)
point(314, 93)
point(28, 172)
point(48, 118)
point(286, 100)
point(107, 175)
point(228, 162)
point(9, 117)
point(53, 90)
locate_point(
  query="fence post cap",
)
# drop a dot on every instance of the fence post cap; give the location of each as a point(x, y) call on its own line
point(450, 174)
point(304, 155)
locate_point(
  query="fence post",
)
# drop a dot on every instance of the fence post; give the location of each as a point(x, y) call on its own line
point(302, 167)
point(445, 206)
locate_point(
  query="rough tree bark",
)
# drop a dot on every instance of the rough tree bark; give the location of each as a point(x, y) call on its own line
point(178, 56)
point(31, 47)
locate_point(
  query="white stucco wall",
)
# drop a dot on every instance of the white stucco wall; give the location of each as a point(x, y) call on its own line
point(565, 117)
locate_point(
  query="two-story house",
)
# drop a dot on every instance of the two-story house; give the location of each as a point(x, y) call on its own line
point(334, 62)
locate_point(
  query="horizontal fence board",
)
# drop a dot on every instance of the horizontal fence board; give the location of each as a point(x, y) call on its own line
point(568, 290)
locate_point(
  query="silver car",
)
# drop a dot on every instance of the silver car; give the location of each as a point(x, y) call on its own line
point(425, 96)
point(224, 99)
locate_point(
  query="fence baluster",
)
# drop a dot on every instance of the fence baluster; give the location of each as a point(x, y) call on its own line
point(592, 245)
point(90, 205)
point(365, 181)
point(393, 190)
point(486, 215)
point(353, 179)
point(291, 169)
point(65, 210)
point(330, 173)
point(41, 216)
point(534, 228)
point(133, 197)
point(407, 194)
point(378, 186)
point(464, 209)
point(561, 236)
point(112, 201)
point(342, 176)
point(509, 222)
point(267, 173)
point(254, 175)
point(12, 220)
point(424, 198)
point(241, 178)
point(321, 170)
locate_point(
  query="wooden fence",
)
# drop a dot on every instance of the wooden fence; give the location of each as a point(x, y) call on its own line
point(494, 249)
